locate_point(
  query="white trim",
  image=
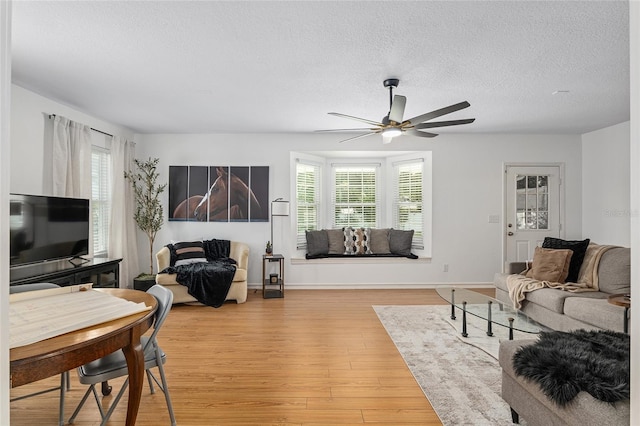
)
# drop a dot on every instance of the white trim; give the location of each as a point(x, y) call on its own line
point(561, 195)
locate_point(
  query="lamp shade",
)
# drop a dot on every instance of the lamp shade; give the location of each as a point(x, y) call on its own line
point(279, 208)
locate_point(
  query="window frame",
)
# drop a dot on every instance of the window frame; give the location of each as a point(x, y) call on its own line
point(385, 185)
point(101, 202)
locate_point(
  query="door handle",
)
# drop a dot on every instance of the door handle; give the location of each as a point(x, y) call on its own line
point(510, 234)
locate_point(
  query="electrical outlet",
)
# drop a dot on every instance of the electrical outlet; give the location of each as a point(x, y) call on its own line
point(445, 268)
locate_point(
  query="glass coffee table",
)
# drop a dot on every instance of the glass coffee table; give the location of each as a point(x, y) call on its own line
point(491, 310)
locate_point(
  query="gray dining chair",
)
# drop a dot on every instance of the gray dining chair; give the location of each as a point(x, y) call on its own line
point(65, 383)
point(115, 365)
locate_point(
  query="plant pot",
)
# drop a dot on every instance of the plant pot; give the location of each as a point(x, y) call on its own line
point(144, 283)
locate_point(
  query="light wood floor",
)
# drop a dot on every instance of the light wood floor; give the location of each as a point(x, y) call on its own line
point(316, 357)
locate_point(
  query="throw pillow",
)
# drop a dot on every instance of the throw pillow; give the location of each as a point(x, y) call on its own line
point(348, 241)
point(336, 240)
point(188, 252)
point(317, 242)
point(579, 248)
point(380, 241)
point(550, 265)
point(361, 239)
point(400, 242)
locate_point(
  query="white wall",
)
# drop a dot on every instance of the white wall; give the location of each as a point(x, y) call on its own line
point(5, 153)
point(28, 126)
point(605, 185)
point(467, 188)
point(634, 59)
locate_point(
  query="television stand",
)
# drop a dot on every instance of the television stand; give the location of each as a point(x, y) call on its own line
point(101, 272)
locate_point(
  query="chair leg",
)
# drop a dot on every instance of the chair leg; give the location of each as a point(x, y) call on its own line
point(114, 404)
point(165, 389)
point(82, 401)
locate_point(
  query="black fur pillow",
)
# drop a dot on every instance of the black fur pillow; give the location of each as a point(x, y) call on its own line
point(579, 248)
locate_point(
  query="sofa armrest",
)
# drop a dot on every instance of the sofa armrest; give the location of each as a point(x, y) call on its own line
point(517, 267)
point(240, 253)
point(163, 258)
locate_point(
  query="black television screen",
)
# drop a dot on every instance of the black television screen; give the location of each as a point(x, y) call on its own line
point(46, 228)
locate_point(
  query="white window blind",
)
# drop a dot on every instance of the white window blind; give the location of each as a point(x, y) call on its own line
point(355, 196)
point(307, 200)
point(408, 200)
point(100, 199)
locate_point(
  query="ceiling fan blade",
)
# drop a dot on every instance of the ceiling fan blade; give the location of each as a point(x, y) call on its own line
point(438, 113)
point(444, 123)
point(415, 132)
point(397, 108)
point(364, 129)
point(358, 137)
point(364, 120)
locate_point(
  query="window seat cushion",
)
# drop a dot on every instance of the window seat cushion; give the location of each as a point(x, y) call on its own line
point(350, 256)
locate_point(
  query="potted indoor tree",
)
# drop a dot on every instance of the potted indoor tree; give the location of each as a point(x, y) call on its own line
point(148, 214)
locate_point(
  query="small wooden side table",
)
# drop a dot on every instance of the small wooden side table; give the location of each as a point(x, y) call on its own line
point(623, 300)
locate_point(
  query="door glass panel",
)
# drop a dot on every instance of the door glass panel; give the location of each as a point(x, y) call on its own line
point(532, 202)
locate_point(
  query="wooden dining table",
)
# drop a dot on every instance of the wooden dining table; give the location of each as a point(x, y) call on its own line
point(62, 353)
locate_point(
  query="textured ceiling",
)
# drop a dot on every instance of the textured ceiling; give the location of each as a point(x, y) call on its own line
point(227, 67)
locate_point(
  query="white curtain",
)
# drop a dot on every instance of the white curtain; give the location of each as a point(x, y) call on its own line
point(71, 158)
point(122, 227)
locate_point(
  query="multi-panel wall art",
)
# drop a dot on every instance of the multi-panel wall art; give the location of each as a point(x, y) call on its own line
point(219, 193)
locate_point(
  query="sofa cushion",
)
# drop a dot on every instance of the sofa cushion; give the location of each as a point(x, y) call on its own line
point(550, 265)
point(400, 241)
point(578, 247)
point(614, 271)
point(380, 241)
point(336, 241)
point(597, 312)
point(554, 298)
point(317, 242)
point(188, 252)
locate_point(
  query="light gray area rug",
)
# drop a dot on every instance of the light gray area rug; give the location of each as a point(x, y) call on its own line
point(460, 376)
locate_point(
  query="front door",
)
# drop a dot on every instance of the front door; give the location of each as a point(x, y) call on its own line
point(532, 209)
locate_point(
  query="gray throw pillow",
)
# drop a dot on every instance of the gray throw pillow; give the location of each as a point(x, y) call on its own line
point(336, 241)
point(317, 242)
point(380, 241)
point(400, 242)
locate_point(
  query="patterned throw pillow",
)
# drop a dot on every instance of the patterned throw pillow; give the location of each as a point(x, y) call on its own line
point(348, 241)
point(356, 241)
point(189, 252)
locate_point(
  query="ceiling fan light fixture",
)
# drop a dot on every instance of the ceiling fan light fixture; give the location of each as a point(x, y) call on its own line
point(391, 132)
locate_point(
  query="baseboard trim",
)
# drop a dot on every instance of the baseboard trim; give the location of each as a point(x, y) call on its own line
point(375, 286)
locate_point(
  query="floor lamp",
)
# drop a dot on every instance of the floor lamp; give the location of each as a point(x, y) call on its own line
point(279, 207)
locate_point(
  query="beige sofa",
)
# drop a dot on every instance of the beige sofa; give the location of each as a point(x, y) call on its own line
point(238, 291)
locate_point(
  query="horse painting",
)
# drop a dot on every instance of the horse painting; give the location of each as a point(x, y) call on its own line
point(228, 198)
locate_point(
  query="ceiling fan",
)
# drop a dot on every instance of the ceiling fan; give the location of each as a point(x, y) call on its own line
point(392, 124)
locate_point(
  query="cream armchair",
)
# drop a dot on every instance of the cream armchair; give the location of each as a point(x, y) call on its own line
point(238, 291)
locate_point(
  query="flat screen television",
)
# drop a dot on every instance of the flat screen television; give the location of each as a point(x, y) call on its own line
point(45, 228)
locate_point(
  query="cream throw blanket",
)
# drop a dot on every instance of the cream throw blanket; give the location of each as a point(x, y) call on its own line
point(518, 284)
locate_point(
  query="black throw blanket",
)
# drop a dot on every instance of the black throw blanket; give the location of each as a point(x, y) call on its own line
point(208, 282)
point(563, 364)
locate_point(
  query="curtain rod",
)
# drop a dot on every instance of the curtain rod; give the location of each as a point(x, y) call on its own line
point(95, 130)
